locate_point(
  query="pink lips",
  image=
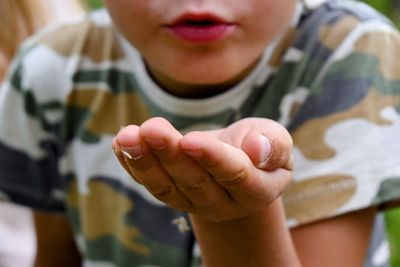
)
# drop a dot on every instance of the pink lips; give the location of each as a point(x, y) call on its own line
point(200, 28)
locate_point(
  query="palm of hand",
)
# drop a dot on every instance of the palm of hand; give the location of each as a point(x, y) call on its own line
point(216, 175)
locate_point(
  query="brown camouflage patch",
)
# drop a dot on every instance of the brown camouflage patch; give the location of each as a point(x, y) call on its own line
point(332, 36)
point(372, 43)
point(282, 47)
point(309, 137)
point(110, 111)
point(317, 197)
point(105, 205)
point(84, 39)
point(294, 109)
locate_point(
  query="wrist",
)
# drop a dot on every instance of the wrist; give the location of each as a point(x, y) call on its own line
point(261, 239)
point(273, 211)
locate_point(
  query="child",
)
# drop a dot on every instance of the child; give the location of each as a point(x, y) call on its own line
point(219, 73)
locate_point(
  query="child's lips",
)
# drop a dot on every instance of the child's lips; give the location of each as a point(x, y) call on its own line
point(200, 28)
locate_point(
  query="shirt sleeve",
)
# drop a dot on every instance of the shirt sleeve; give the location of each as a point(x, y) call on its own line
point(29, 147)
point(346, 133)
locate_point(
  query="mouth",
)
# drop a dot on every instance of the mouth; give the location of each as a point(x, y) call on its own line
point(200, 28)
point(199, 23)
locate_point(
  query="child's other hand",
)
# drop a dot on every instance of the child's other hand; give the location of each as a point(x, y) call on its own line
point(216, 175)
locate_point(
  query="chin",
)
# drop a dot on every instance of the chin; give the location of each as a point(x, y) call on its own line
point(206, 76)
point(202, 73)
point(211, 72)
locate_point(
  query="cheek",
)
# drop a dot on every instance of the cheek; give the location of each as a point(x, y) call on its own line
point(131, 18)
point(267, 18)
point(128, 12)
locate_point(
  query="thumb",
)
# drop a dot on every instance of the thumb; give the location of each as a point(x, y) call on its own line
point(269, 150)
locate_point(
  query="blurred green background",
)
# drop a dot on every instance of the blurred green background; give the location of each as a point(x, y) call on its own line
point(94, 4)
point(391, 8)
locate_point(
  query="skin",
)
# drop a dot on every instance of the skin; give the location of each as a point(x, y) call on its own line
point(189, 69)
point(55, 243)
point(218, 186)
point(217, 178)
point(221, 177)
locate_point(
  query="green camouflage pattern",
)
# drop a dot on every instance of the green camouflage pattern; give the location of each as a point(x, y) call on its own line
point(332, 80)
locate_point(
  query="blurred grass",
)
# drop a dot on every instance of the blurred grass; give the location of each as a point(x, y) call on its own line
point(393, 229)
point(390, 8)
point(95, 4)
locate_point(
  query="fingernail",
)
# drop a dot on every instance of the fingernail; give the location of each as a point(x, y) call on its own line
point(265, 145)
point(116, 150)
point(134, 152)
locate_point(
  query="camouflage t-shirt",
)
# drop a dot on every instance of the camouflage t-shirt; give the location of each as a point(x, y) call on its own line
point(332, 79)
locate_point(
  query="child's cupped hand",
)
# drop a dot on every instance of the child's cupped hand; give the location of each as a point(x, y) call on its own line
point(217, 175)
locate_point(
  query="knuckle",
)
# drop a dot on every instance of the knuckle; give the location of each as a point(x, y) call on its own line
point(193, 186)
point(238, 177)
point(163, 193)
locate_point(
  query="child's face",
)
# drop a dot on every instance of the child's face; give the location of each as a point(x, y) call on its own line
point(200, 42)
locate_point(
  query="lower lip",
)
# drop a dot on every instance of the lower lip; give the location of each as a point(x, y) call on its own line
point(203, 34)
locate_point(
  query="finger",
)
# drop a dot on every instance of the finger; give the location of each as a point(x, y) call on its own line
point(266, 154)
point(146, 170)
point(190, 179)
point(249, 135)
point(232, 169)
point(121, 159)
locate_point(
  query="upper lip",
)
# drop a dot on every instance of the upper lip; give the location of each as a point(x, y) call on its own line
point(206, 18)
